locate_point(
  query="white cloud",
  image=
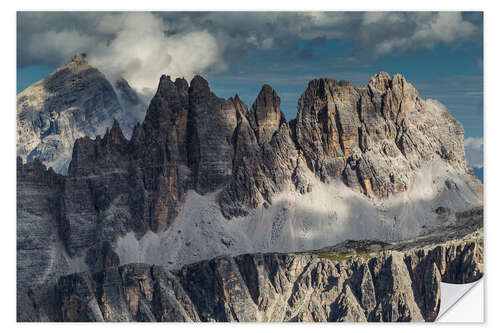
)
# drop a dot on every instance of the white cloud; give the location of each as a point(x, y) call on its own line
point(474, 152)
point(267, 43)
point(66, 42)
point(142, 46)
point(475, 143)
point(376, 17)
point(428, 30)
point(446, 27)
point(141, 51)
point(138, 46)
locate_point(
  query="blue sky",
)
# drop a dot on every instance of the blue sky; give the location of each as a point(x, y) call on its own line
point(454, 76)
point(441, 54)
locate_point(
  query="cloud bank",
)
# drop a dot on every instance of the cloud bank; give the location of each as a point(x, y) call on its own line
point(474, 152)
point(141, 51)
point(428, 29)
point(131, 45)
point(142, 46)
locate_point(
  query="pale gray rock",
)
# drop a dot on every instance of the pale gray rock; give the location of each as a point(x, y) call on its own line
point(346, 307)
point(265, 156)
point(323, 285)
point(74, 101)
point(376, 136)
point(39, 255)
point(212, 121)
point(266, 116)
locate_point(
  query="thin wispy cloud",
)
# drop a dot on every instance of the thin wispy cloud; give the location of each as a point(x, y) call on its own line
point(474, 151)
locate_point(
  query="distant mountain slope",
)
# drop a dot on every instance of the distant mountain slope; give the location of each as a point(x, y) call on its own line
point(74, 101)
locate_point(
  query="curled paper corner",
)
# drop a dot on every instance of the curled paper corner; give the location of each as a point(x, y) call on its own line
point(462, 302)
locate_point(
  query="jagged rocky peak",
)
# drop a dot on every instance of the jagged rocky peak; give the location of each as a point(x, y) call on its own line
point(114, 136)
point(168, 110)
point(198, 83)
point(96, 156)
point(181, 84)
point(166, 85)
point(398, 94)
point(74, 101)
point(184, 143)
point(212, 121)
point(196, 126)
point(375, 136)
point(265, 157)
point(78, 59)
point(37, 172)
point(380, 81)
point(265, 116)
point(239, 105)
point(325, 128)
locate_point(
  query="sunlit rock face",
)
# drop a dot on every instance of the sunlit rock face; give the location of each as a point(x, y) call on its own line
point(203, 176)
point(377, 136)
point(265, 116)
point(74, 101)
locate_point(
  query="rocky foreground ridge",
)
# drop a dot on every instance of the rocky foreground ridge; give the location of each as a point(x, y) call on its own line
point(74, 101)
point(352, 281)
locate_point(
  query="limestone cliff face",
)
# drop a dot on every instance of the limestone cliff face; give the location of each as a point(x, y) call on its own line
point(115, 185)
point(204, 176)
point(265, 156)
point(374, 137)
point(353, 281)
point(175, 149)
point(74, 101)
point(265, 116)
point(37, 236)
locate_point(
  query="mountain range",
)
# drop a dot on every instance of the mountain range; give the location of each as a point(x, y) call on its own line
point(202, 177)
